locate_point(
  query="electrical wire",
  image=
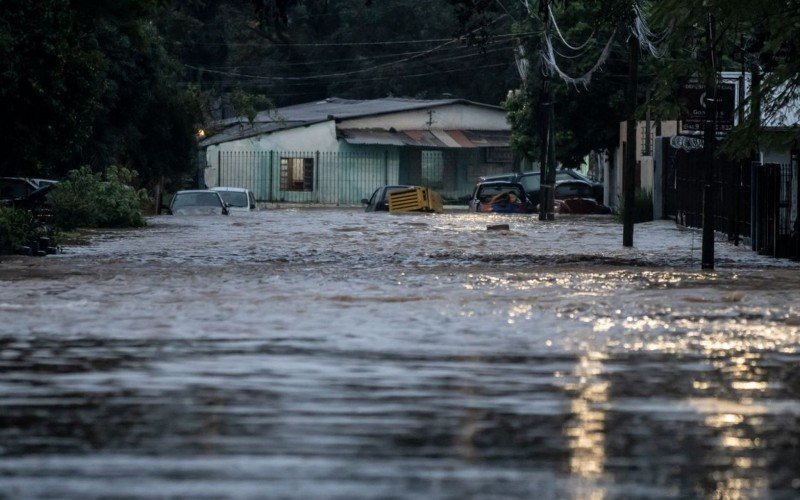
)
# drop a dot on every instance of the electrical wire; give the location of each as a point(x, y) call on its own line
point(330, 75)
point(548, 56)
point(402, 76)
point(343, 73)
point(561, 36)
point(348, 44)
point(352, 59)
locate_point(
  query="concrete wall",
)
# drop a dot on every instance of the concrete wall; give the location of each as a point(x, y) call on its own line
point(644, 164)
point(317, 137)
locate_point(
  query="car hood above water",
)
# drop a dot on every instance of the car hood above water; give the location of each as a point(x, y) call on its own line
point(198, 211)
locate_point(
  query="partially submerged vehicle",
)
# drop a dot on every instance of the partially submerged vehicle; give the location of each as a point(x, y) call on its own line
point(531, 182)
point(379, 201)
point(238, 199)
point(198, 202)
point(18, 188)
point(577, 197)
point(500, 197)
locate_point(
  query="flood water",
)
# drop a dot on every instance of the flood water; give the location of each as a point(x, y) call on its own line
point(302, 353)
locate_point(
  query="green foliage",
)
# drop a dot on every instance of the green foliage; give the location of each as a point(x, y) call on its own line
point(754, 35)
point(642, 206)
point(586, 118)
point(522, 116)
point(89, 83)
point(51, 82)
point(85, 200)
point(16, 227)
point(249, 105)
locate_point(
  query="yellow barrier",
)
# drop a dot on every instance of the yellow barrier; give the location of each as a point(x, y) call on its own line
point(416, 199)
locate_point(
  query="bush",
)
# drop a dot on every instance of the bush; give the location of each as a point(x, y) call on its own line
point(16, 228)
point(642, 206)
point(85, 200)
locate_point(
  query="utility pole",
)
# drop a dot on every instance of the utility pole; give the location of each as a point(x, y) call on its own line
point(546, 131)
point(629, 161)
point(707, 255)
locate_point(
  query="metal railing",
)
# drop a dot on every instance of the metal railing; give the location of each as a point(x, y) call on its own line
point(304, 176)
point(751, 200)
point(342, 178)
point(776, 231)
point(683, 193)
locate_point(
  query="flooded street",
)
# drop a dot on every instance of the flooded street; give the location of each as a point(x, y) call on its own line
point(301, 353)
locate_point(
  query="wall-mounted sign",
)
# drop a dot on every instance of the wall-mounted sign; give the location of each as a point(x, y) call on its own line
point(694, 105)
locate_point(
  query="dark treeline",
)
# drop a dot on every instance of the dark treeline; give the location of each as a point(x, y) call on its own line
point(130, 82)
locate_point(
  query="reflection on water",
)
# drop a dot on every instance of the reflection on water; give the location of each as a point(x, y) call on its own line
point(586, 432)
point(337, 354)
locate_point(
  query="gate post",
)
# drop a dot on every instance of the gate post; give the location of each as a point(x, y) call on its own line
point(271, 165)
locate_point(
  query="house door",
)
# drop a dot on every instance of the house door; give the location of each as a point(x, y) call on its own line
point(410, 166)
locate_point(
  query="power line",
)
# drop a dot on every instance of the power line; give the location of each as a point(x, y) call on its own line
point(347, 44)
point(320, 77)
point(343, 73)
point(351, 59)
point(416, 75)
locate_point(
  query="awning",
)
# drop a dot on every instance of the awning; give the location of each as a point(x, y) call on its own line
point(428, 138)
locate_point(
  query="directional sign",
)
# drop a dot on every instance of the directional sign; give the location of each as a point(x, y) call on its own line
point(694, 106)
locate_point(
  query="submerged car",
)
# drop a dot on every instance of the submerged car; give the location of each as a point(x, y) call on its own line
point(238, 199)
point(198, 202)
point(379, 201)
point(16, 188)
point(500, 197)
point(531, 181)
point(577, 197)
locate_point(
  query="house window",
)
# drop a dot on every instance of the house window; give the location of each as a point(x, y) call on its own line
point(297, 174)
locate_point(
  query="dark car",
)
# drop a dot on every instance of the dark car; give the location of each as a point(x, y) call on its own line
point(577, 197)
point(379, 201)
point(198, 202)
point(531, 181)
point(17, 188)
point(500, 197)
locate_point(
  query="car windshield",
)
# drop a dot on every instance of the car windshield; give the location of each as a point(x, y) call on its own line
point(486, 193)
point(196, 200)
point(531, 182)
point(564, 175)
point(235, 198)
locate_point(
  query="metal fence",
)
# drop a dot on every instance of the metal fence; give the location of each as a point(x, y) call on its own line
point(751, 200)
point(683, 193)
point(305, 177)
point(776, 229)
point(345, 178)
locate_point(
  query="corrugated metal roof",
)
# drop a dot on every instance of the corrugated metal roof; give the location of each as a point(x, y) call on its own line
point(245, 130)
point(320, 111)
point(428, 138)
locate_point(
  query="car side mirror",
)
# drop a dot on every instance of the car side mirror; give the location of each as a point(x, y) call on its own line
point(364, 201)
point(252, 206)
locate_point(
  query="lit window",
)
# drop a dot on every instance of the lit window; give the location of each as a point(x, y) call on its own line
point(297, 174)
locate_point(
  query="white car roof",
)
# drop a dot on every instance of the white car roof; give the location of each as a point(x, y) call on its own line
point(222, 188)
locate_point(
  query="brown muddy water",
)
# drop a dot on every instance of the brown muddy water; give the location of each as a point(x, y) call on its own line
point(338, 354)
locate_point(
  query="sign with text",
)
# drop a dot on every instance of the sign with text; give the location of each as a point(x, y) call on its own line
point(694, 106)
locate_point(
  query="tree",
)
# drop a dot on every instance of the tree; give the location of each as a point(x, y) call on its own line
point(762, 36)
point(51, 85)
point(87, 82)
